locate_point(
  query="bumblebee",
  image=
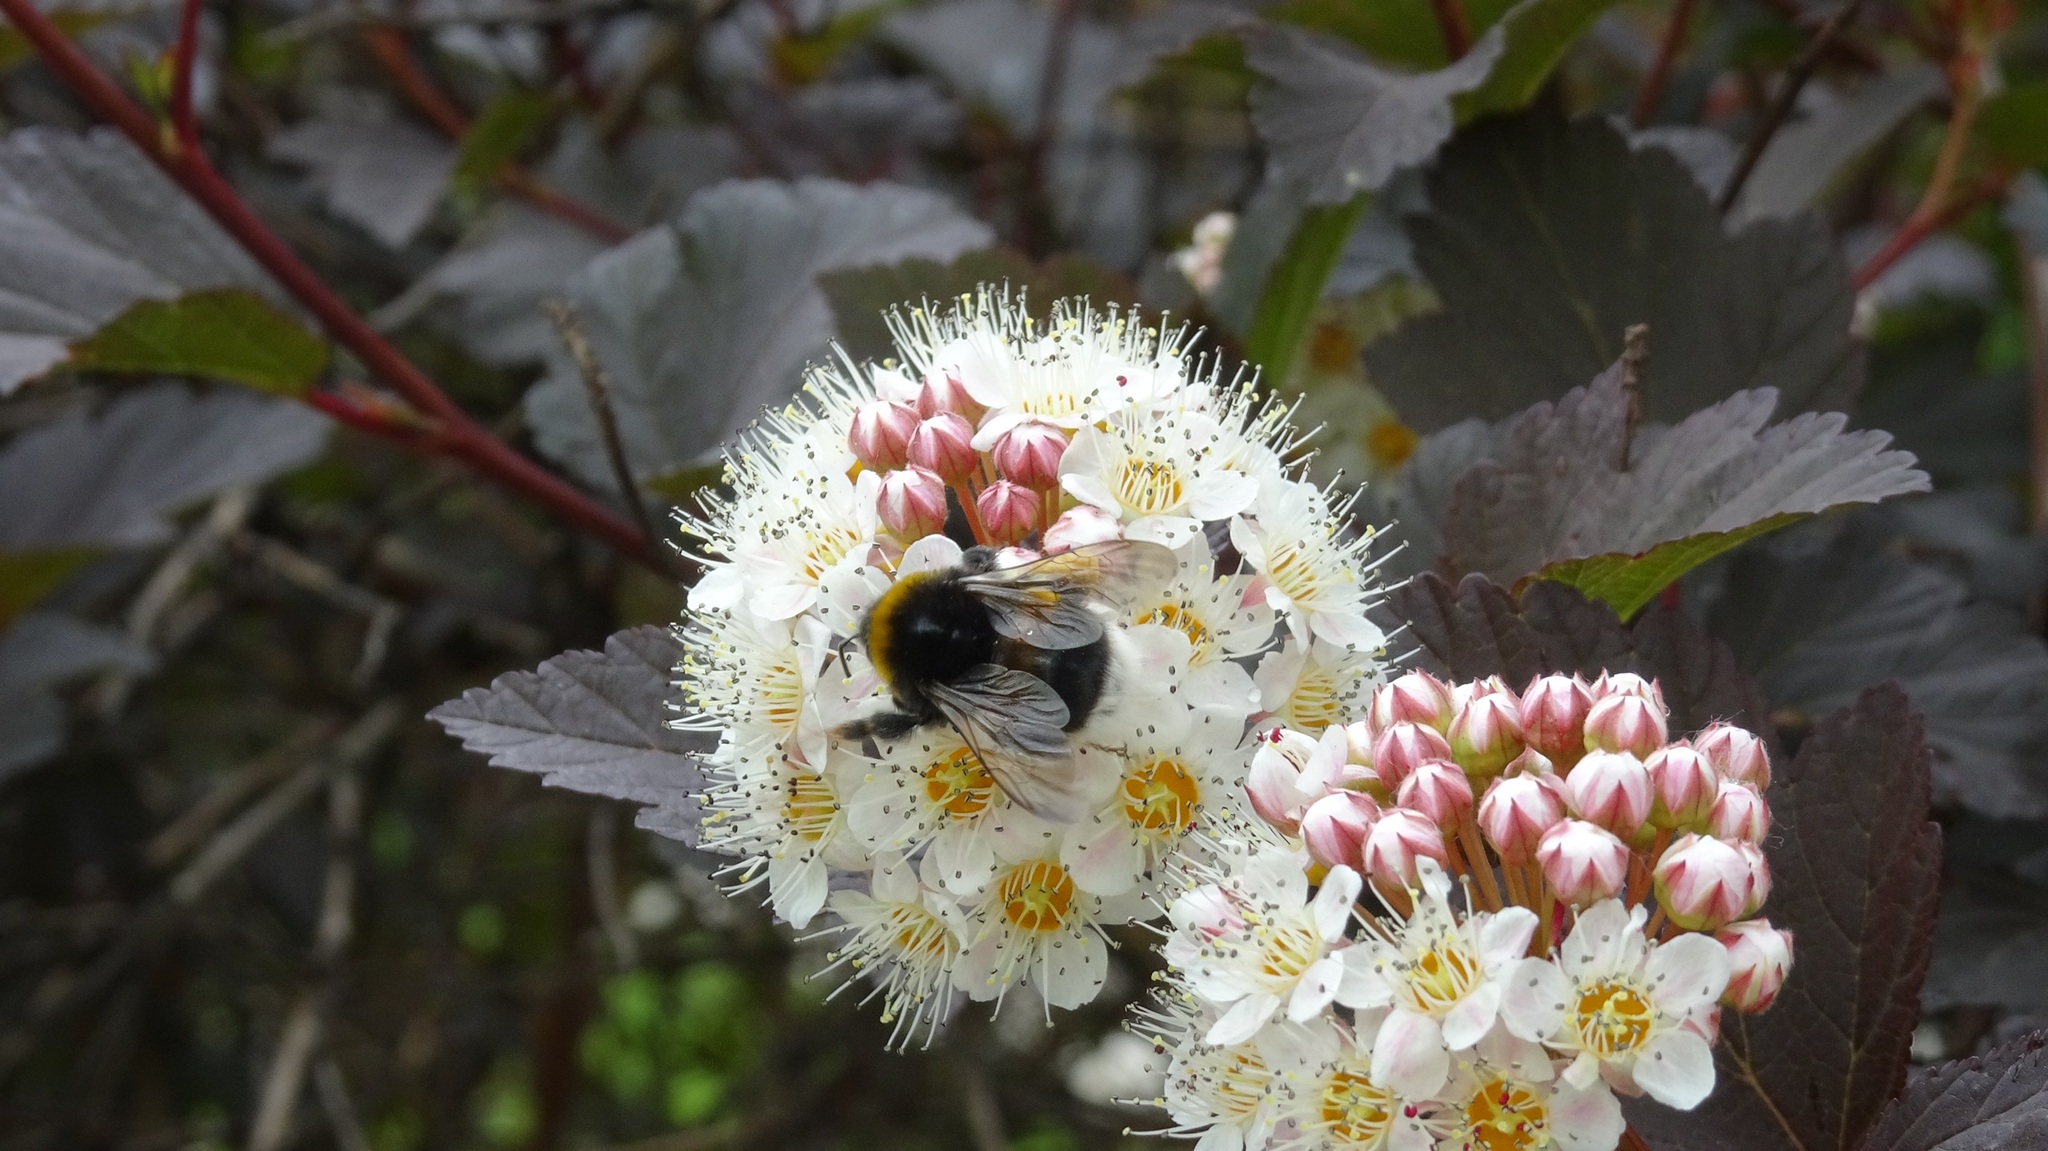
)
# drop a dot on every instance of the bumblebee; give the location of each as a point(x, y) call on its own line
point(1017, 660)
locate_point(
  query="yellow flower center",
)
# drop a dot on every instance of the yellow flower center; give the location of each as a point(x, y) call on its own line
point(1181, 618)
point(1506, 1115)
point(1316, 702)
point(1036, 896)
point(1356, 1111)
point(1443, 975)
point(809, 805)
point(1149, 487)
point(1241, 1085)
point(828, 547)
point(782, 693)
point(1161, 796)
point(1613, 1019)
point(919, 935)
point(1288, 949)
point(959, 784)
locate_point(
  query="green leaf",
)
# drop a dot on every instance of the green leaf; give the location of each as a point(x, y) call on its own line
point(1295, 284)
point(495, 139)
point(1401, 32)
point(2014, 125)
point(1539, 33)
point(1627, 582)
point(26, 577)
point(222, 333)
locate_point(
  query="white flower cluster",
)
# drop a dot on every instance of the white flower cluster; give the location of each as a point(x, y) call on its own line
point(1032, 438)
point(1391, 1005)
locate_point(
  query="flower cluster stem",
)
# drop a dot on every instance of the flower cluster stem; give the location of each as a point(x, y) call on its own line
point(460, 437)
point(1481, 862)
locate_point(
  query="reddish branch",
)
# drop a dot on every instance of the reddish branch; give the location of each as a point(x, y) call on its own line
point(459, 436)
point(184, 55)
point(1659, 76)
point(1924, 224)
point(1455, 28)
point(393, 51)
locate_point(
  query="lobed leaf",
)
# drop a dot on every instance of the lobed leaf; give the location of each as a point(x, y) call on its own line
point(383, 174)
point(1538, 34)
point(1805, 157)
point(1985, 1103)
point(221, 333)
point(702, 323)
point(506, 125)
point(862, 298)
point(1856, 866)
point(594, 722)
point(1338, 124)
point(39, 652)
point(1546, 241)
point(87, 228)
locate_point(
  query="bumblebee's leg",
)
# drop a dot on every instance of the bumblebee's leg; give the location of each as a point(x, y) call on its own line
point(881, 725)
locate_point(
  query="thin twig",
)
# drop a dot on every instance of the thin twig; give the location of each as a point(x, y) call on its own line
point(199, 820)
point(341, 16)
point(1917, 228)
point(1455, 28)
point(597, 382)
point(146, 611)
point(184, 59)
point(342, 1116)
point(1658, 77)
point(461, 437)
point(1635, 359)
point(380, 615)
point(604, 888)
point(1788, 94)
point(663, 48)
point(278, 1101)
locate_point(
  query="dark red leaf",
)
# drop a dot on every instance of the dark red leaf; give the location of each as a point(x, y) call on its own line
point(1988, 1103)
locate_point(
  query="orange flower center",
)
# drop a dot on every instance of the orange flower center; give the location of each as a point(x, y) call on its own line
point(809, 805)
point(1506, 1115)
point(1355, 1110)
point(1036, 896)
point(1613, 1019)
point(1161, 796)
point(959, 784)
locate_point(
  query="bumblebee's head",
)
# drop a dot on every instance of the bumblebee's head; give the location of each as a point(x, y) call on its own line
point(927, 628)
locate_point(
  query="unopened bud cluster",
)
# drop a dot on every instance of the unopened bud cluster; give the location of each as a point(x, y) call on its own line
point(1469, 918)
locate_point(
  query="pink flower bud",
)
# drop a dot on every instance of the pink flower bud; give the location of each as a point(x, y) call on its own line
point(880, 435)
point(1703, 883)
point(1682, 788)
point(1274, 782)
point(1486, 733)
point(1400, 837)
point(1531, 762)
point(1627, 683)
point(1759, 877)
point(1736, 754)
point(1584, 863)
point(1438, 789)
point(1029, 454)
point(1335, 828)
point(1016, 557)
point(1738, 814)
point(1416, 697)
point(1759, 958)
point(943, 392)
point(1402, 746)
point(1009, 512)
point(1628, 723)
point(1610, 788)
point(944, 446)
point(1517, 810)
point(1358, 736)
point(1554, 717)
point(1082, 526)
point(912, 504)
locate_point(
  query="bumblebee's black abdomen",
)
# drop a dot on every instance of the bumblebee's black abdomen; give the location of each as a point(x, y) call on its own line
point(929, 630)
point(1077, 675)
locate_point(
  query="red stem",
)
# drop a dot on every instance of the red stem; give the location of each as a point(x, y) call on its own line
point(460, 436)
point(1920, 226)
point(1456, 29)
point(1659, 76)
point(184, 57)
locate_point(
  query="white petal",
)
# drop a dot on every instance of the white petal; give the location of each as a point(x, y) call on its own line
point(782, 600)
point(1316, 989)
point(1584, 1071)
point(928, 554)
point(1332, 906)
point(1245, 538)
point(1222, 494)
point(1362, 986)
point(1468, 1021)
point(797, 892)
point(1073, 968)
point(1506, 936)
point(1170, 531)
point(1534, 995)
point(1348, 630)
point(1676, 1068)
point(1408, 1055)
point(721, 589)
point(1243, 1020)
point(1090, 489)
point(1104, 858)
point(1222, 1137)
point(1598, 941)
point(1686, 972)
point(965, 858)
point(1586, 1119)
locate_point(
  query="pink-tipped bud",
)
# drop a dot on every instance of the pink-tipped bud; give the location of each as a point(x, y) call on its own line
point(1274, 783)
point(1516, 812)
point(1759, 877)
point(1738, 814)
point(943, 392)
point(1625, 722)
point(1081, 526)
point(1358, 737)
point(1532, 762)
point(912, 504)
point(1438, 789)
point(1759, 958)
point(1610, 788)
point(1735, 753)
point(1486, 733)
point(1702, 883)
point(880, 435)
point(1554, 717)
point(1415, 697)
point(1627, 683)
point(1584, 863)
point(1009, 512)
point(1029, 454)
point(1335, 828)
point(1400, 837)
point(944, 446)
point(1402, 746)
point(1682, 788)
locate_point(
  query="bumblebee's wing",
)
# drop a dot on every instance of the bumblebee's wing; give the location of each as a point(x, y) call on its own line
point(1045, 602)
point(1013, 722)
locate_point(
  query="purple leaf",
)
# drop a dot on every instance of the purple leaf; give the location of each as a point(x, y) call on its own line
point(1991, 1102)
